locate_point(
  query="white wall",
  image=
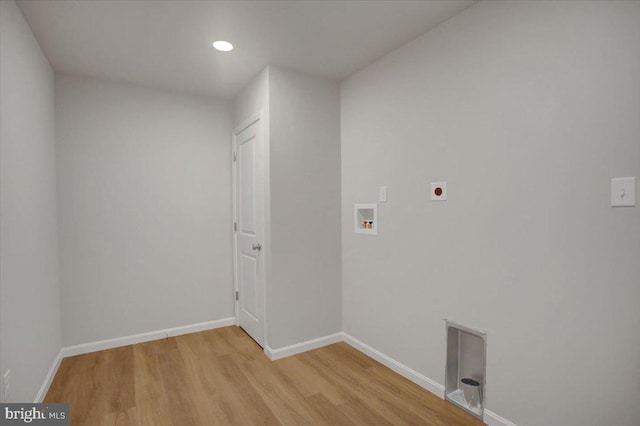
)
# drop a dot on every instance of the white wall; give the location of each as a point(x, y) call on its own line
point(302, 250)
point(29, 287)
point(144, 208)
point(304, 292)
point(252, 99)
point(527, 109)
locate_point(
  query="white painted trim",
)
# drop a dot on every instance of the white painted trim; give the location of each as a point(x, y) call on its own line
point(490, 418)
point(409, 373)
point(256, 117)
point(234, 224)
point(274, 354)
point(101, 345)
point(49, 378)
point(124, 341)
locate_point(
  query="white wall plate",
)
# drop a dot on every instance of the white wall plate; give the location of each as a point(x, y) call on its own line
point(623, 192)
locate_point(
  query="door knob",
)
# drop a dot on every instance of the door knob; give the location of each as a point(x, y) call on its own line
point(257, 246)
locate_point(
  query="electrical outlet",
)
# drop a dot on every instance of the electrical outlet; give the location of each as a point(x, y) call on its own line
point(6, 385)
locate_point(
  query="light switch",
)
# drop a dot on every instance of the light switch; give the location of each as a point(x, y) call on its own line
point(438, 191)
point(623, 192)
point(383, 194)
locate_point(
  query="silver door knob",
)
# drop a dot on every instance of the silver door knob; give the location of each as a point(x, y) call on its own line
point(257, 246)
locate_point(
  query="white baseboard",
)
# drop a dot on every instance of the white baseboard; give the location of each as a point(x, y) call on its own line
point(101, 345)
point(409, 373)
point(124, 341)
point(47, 380)
point(490, 418)
point(274, 354)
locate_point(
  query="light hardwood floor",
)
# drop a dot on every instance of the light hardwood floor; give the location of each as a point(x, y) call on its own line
point(222, 377)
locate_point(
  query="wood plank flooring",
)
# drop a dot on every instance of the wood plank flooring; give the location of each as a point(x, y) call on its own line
point(221, 377)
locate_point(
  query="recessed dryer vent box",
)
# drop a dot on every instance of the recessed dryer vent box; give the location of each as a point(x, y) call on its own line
point(366, 218)
point(465, 371)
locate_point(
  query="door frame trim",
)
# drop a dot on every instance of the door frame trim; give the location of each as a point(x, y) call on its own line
point(258, 116)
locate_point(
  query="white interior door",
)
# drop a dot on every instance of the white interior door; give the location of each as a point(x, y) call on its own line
point(248, 145)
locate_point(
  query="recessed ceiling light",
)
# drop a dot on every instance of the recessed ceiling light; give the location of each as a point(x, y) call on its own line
point(223, 46)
